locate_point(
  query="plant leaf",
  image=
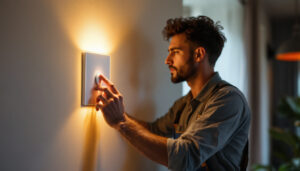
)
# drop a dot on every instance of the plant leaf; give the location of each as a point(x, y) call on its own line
point(290, 107)
point(280, 154)
point(260, 167)
point(285, 167)
point(286, 137)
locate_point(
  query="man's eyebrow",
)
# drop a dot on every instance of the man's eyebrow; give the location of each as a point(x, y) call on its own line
point(174, 48)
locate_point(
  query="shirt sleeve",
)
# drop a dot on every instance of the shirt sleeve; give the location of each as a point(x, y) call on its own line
point(208, 134)
point(164, 125)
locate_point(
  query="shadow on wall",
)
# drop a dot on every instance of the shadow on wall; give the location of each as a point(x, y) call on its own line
point(139, 63)
point(89, 156)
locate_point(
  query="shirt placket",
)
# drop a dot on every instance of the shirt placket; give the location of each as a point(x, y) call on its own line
point(193, 106)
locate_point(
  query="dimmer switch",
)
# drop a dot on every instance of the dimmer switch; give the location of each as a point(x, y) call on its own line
point(92, 65)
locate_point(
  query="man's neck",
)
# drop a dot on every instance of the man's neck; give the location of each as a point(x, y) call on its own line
point(198, 81)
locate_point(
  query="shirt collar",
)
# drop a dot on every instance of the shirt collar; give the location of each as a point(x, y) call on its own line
point(207, 88)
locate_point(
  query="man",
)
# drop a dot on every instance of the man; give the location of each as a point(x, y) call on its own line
point(209, 126)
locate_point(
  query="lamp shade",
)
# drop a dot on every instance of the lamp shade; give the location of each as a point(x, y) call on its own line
point(290, 49)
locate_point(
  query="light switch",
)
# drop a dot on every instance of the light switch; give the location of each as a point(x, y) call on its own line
point(92, 65)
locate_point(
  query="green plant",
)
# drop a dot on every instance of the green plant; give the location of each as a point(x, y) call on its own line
point(289, 107)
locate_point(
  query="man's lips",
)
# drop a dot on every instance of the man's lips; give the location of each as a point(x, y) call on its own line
point(172, 68)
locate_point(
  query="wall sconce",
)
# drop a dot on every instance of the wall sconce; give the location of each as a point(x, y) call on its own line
point(92, 65)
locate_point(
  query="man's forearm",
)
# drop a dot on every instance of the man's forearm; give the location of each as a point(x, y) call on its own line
point(153, 146)
point(142, 123)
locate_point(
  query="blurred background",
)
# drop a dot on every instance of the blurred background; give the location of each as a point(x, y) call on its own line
point(42, 123)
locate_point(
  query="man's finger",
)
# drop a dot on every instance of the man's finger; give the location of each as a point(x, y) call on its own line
point(100, 88)
point(98, 106)
point(102, 99)
point(108, 93)
point(109, 83)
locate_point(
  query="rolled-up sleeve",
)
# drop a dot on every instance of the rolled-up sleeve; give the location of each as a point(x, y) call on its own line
point(211, 131)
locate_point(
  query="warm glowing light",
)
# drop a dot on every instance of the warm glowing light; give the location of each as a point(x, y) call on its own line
point(98, 72)
point(97, 26)
point(92, 39)
point(292, 56)
point(84, 111)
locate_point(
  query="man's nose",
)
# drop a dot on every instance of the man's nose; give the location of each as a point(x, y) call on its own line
point(168, 60)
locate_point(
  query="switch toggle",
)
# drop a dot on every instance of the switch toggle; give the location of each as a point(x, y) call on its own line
point(97, 81)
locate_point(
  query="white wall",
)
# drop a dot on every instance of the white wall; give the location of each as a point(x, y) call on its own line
point(231, 65)
point(262, 153)
point(260, 84)
point(42, 125)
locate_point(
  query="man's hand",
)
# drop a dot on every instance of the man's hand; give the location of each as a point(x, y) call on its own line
point(110, 102)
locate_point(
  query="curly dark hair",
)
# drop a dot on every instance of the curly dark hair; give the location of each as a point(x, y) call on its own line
point(200, 31)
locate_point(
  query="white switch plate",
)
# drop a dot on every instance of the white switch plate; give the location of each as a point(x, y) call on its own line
point(92, 64)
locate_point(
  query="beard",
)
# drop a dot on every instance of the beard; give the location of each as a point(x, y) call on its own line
point(184, 72)
point(179, 77)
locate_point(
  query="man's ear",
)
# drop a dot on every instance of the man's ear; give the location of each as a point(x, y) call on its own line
point(199, 54)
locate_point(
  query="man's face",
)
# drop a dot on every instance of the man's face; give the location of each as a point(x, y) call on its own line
point(180, 59)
